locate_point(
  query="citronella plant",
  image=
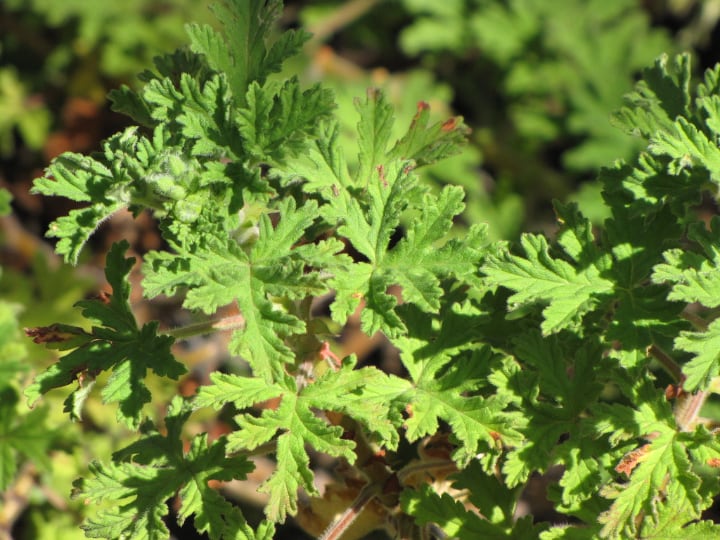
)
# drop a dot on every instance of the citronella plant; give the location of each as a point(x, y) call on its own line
point(515, 361)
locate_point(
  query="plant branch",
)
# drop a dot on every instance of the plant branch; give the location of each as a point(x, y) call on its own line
point(687, 409)
point(233, 322)
point(698, 322)
point(670, 365)
point(336, 529)
point(425, 466)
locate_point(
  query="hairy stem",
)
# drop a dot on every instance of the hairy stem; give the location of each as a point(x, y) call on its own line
point(666, 361)
point(336, 529)
point(426, 466)
point(687, 409)
point(232, 322)
point(263, 449)
point(698, 322)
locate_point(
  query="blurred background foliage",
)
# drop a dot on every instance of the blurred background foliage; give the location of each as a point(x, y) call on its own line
point(535, 79)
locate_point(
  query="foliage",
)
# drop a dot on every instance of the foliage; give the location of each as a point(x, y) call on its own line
point(589, 354)
point(564, 65)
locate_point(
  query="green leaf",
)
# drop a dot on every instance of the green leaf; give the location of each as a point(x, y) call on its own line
point(661, 96)
point(117, 344)
point(221, 271)
point(694, 276)
point(161, 469)
point(562, 388)
point(417, 263)
point(451, 516)
point(280, 121)
point(705, 363)
point(662, 475)
point(445, 384)
point(244, 53)
point(425, 144)
point(374, 128)
point(568, 292)
point(293, 424)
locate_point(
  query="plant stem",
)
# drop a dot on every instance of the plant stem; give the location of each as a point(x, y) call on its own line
point(667, 362)
point(232, 322)
point(426, 465)
point(688, 408)
point(698, 322)
point(336, 529)
point(266, 448)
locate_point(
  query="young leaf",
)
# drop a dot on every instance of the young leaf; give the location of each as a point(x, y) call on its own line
point(243, 54)
point(279, 121)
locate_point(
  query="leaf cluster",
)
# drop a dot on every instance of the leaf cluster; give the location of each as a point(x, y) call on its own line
point(516, 360)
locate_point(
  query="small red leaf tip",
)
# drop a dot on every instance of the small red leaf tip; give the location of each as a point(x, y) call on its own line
point(422, 106)
point(450, 124)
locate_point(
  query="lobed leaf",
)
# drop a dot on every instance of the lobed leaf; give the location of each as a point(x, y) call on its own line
point(117, 345)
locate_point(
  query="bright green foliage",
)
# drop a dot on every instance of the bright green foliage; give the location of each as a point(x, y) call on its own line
point(217, 125)
point(514, 361)
point(155, 469)
point(362, 394)
point(117, 345)
point(569, 292)
point(607, 297)
point(221, 272)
